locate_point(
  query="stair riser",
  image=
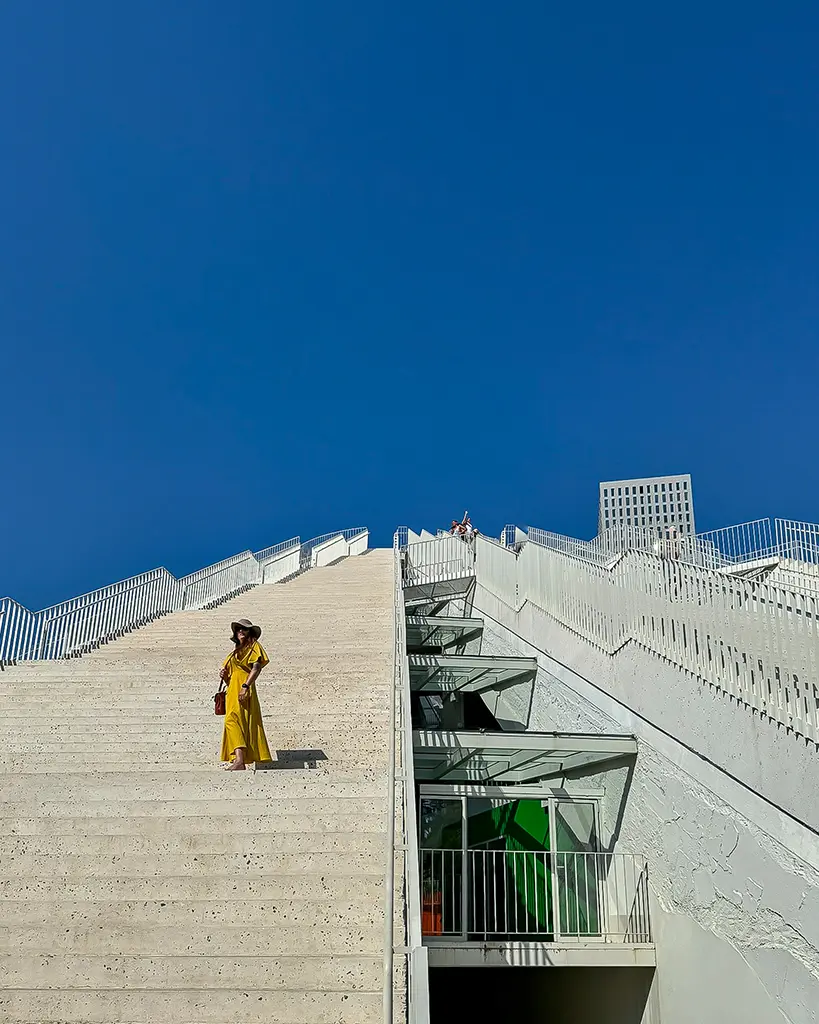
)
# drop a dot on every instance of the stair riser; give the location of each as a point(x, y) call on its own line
point(136, 810)
point(67, 917)
point(263, 786)
point(76, 730)
point(210, 940)
point(251, 1006)
point(196, 825)
point(146, 866)
point(319, 886)
point(181, 846)
point(200, 972)
point(106, 743)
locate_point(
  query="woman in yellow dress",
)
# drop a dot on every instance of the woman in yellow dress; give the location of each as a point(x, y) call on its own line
point(243, 738)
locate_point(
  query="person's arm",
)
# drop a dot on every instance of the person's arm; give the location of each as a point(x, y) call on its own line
point(244, 689)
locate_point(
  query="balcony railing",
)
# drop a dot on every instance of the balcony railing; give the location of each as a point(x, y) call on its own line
point(443, 558)
point(538, 896)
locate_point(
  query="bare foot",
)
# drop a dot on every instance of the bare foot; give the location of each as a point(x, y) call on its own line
point(234, 767)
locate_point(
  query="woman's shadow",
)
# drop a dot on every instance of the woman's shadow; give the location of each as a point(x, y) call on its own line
point(292, 759)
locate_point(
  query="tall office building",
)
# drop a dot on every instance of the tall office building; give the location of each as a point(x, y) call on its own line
point(660, 502)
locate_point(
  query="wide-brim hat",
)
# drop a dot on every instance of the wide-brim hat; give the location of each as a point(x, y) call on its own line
point(255, 631)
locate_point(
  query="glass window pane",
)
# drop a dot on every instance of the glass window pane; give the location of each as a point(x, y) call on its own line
point(440, 823)
point(578, 868)
point(576, 827)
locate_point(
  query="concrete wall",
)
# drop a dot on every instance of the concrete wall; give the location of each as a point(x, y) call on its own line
point(283, 564)
point(735, 877)
point(337, 547)
point(759, 752)
point(358, 544)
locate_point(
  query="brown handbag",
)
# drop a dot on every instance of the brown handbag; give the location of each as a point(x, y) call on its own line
point(219, 699)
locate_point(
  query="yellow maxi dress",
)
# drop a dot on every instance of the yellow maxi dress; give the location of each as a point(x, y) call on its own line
point(243, 725)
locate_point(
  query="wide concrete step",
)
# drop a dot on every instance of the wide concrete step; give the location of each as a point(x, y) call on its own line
point(322, 886)
point(175, 845)
point(78, 916)
point(139, 865)
point(346, 753)
point(71, 699)
point(161, 673)
point(140, 726)
point(181, 825)
point(212, 939)
point(171, 784)
point(107, 741)
point(188, 1006)
point(168, 670)
point(39, 806)
point(138, 764)
point(163, 677)
point(105, 972)
point(194, 739)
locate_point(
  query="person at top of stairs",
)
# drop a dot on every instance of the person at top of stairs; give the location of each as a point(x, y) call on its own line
point(243, 737)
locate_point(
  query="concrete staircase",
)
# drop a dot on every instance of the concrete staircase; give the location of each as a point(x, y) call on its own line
point(139, 882)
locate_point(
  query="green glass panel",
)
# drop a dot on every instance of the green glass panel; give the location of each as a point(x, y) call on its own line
point(511, 886)
point(577, 868)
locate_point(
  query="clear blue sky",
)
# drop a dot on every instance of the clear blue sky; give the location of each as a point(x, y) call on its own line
point(275, 268)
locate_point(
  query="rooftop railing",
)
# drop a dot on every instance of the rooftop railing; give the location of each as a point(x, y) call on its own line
point(760, 540)
point(535, 895)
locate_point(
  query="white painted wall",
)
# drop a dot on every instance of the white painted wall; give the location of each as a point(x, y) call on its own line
point(282, 564)
point(756, 750)
point(338, 547)
point(359, 544)
point(735, 880)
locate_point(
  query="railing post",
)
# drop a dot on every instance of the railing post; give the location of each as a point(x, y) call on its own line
point(465, 868)
point(555, 884)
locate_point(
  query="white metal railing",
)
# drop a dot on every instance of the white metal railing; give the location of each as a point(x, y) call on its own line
point(78, 625)
point(536, 895)
point(266, 554)
point(797, 541)
point(212, 583)
point(402, 813)
point(608, 546)
point(757, 640)
point(508, 535)
point(75, 625)
point(443, 558)
point(731, 545)
point(756, 541)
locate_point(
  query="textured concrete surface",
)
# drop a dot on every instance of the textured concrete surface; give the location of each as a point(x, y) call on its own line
point(765, 755)
point(139, 881)
point(735, 880)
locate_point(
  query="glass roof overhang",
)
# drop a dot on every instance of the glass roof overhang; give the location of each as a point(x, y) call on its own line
point(443, 631)
point(433, 598)
point(512, 757)
point(451, 673)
